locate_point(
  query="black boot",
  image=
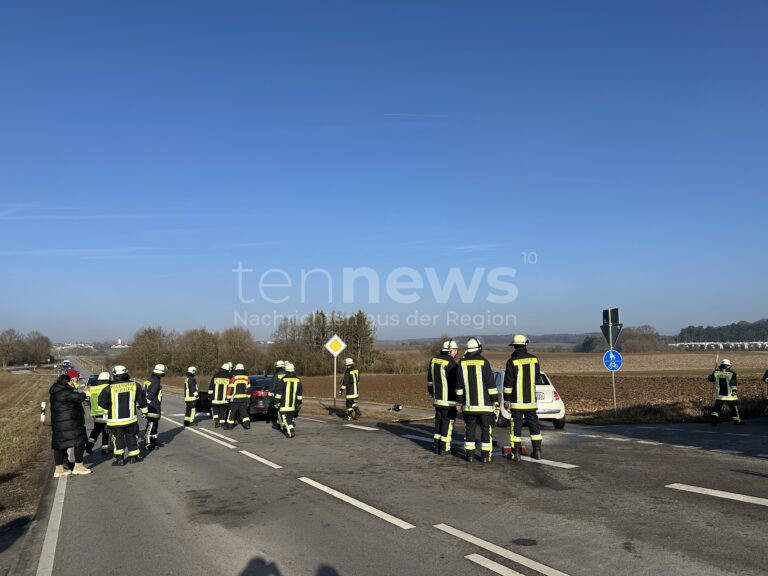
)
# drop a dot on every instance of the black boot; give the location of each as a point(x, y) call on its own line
point(486, 456)
point(516, 457)
point(89, 447)
point(118, 461)
point(217, 424)
point(247, 425)
point(436, 447)
point(470, 456)
point(358, 413)
point(186, 424)
point(536, 454)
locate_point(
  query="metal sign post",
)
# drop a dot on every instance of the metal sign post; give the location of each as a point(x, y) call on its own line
point(335, 346)
point(612, 360)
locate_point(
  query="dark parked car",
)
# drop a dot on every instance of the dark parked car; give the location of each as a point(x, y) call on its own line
point(260, 400)
point(261, 388)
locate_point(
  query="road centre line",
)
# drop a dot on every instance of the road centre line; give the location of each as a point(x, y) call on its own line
point(719, 494)
point(227, 438)
point(550, 463)
point(649, 442)
point(491, 565)
point(427, 439)
point(314, 420)
point(722, 451)
point(616, 439)
point(204, 435)
point(503, 552)
point(260, 459)
point(358, 427)
point(686, 447)
point(358, 504)
point(45, 566)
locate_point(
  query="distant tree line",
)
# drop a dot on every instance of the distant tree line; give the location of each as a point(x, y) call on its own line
point(631, 339)
point(17, 348)
point(737, 332)
point(300, 342)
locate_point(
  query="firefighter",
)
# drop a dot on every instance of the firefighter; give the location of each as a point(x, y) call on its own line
point(120, 399)
point(476, 390)
point(99, 416)
point(350, 387)
point(441, 385)
point(724, 379)
point(238, 399)
point(190, 396)
point(217, 391)
point(275, 384)
point(522, 372)
point(288, 398)
point(154, 392)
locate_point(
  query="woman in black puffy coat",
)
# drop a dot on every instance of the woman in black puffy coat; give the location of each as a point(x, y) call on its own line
point(68, 425)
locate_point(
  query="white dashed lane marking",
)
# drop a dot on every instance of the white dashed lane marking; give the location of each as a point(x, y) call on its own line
point(720, 494)
point(203, 434)
point(358, 504)
point(491, 565)
point(260, 459)
point(503, 552)
point(359, 427)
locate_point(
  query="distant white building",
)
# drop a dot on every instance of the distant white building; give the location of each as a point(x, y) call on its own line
point(119, 344)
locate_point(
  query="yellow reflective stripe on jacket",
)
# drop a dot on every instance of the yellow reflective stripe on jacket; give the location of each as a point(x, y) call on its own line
point(93, 395)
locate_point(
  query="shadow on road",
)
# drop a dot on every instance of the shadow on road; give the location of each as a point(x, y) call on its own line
point(260, 567)
point(12, 531)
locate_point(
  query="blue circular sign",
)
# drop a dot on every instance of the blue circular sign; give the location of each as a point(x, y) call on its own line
point(612, 360)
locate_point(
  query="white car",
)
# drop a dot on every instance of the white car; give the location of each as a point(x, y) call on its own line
point(550, 405)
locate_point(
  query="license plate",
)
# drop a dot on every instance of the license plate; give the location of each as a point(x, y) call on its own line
point(539, 395)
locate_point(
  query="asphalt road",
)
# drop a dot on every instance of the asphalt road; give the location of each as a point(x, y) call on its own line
point(374, 500)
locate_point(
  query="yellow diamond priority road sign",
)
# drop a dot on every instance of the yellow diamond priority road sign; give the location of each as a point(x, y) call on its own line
point(335, 345)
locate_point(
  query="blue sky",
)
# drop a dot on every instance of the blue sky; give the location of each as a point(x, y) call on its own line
point(148, 148)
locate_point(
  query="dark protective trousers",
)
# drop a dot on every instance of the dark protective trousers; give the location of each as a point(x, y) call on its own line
point(150, 432)
point(445, 417)
point(286, 422)
point(189, 413)
point(733, 406)
point(219, 413)
point(99, 427)
point(533, 427)
point(485, 421)
point(353, 410)
point(126, 438)
point(238, 410)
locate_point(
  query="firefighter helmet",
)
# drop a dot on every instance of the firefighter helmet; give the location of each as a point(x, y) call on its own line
point(280, 364)
point(119, 370)
point(192, 370)
point(159, 369)
point(348, 362)
point(725, 362)
point(519, 340)
point(289, 367)
point(103, 377)
point(474, 345)
point(449, 345)
point(239, 366)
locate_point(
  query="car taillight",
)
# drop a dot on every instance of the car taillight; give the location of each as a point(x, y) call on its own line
point(555, 395)
point(258, 393)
